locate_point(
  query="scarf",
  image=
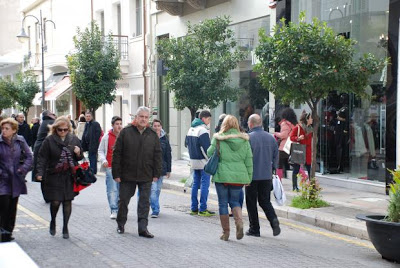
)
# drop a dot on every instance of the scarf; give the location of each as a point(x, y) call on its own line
point(66, 161)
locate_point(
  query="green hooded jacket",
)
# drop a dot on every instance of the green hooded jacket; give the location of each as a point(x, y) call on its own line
point(236, 159)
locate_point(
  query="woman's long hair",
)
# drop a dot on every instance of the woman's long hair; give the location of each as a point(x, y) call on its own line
point(289, 115)
point(229, 122)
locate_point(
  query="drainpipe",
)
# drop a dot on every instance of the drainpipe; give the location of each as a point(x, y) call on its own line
point(144, 55)
point(91, 10)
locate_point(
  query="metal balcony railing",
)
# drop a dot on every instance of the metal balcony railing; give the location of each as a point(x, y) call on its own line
point(121, 44)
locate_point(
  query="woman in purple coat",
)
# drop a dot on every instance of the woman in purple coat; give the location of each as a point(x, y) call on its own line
point(15, 162)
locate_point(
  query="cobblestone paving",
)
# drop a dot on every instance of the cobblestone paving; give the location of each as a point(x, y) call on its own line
point(180, 240)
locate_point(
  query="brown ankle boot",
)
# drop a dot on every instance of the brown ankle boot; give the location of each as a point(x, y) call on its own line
point(237, 215)
point(225, 227)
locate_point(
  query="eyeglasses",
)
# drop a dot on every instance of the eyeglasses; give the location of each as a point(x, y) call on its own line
point(62, 129)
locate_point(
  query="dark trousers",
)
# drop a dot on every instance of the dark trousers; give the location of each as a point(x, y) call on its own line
point(284, 162)
point(126, 191)
point(93, 161)
point(261, 191)
point(8, 212)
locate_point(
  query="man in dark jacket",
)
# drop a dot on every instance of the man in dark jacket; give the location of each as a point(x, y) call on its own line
point(265, 159)
point(34, 130)
point(24, 129)
point(47, 119)
point(91, 140)
point(136, 162)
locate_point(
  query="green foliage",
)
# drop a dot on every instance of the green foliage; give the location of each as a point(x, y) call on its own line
point(303, 62)
point(394, 202)
point(199, 64)
point(94, 67)
point(183, 180)
point(300, 202)
point(21, 92)
point(310, 196)
point(5, 101)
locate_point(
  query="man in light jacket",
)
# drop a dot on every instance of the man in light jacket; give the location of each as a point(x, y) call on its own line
point(105, 152)
point(265, 159)
point(197, 141)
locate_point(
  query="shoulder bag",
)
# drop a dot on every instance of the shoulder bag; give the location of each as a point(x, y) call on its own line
point(288, 144)
point(297, 151)
point(212, 164)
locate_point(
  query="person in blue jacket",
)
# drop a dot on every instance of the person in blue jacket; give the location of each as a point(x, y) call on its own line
point(197, 141)
point(165, 172)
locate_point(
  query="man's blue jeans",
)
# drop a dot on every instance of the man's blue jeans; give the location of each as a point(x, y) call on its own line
point(93, 161)
point(228, 194)
point(155, 195)
point(201, 180)
point(112, 191)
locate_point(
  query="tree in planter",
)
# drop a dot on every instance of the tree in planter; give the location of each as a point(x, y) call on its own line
point(94, 67)
point(303, 62)
point(199, 65)
point(22, 91)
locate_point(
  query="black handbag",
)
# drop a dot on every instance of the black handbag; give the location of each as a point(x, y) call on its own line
point(84, 174)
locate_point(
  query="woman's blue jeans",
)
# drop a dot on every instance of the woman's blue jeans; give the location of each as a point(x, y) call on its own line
point(227, 194)
point(155, 195)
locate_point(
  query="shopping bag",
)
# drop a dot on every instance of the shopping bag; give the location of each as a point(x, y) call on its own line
point(288, 145)
point(297, 154)
point(279, 193)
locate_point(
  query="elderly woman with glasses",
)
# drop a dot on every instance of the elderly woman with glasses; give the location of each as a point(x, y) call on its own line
point(58, 155)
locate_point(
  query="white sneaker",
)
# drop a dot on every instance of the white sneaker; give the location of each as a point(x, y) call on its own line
point(113, 215)
point(154, 215)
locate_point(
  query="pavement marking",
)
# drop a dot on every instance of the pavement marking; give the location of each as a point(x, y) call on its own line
point(33, 215)
point(296, 226)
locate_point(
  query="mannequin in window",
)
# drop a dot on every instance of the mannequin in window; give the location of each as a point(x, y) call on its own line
point(342, 132)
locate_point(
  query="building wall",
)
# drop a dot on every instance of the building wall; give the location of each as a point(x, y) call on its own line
point(164, 24)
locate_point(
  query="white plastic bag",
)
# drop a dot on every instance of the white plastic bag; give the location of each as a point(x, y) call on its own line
point(279, 193)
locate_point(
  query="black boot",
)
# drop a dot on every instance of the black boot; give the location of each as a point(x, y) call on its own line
point(276, 230)
point(52, 227)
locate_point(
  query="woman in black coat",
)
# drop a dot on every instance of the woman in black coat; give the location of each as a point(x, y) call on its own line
point(58, 155)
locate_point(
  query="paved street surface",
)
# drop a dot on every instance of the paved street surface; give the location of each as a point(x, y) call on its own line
point(180, 240)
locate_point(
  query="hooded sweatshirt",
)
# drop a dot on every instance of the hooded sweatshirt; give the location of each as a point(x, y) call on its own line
point(236, 159)
point(197, 141)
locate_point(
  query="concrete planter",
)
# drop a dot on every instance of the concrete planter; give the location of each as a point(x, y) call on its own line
point(384, 235)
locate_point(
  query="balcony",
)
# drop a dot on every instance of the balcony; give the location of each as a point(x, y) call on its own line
point(121, 44)
point(181, 7)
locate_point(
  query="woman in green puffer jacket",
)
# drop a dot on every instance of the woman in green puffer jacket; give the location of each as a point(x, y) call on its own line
point(235, 169)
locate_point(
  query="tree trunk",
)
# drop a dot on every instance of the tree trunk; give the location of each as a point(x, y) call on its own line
point(315, 117)
point(193, 111)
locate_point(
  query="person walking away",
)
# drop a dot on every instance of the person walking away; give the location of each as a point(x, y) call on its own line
point(105, 152)
point(47, 119)
point(23, 129)
point(287, 123)
point(166, 169)
point(35, 130)
point(15, 163)
point(81, 127)
point(265, 160)
point(302, 133)
point(136, 162)
point(197, 141)
point(91, 139)
point(58, 155)
point(235, 169)
point(72, 123)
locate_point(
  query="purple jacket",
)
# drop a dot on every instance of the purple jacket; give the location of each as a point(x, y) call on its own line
point(12, 173)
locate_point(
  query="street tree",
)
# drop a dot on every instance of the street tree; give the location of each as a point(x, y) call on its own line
point(303, 62)
point(94, 67)
point(199, 65)
point(5, 100)
point(22, 91)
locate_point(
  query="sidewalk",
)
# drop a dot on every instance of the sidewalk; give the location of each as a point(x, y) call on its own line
point(339, 217)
